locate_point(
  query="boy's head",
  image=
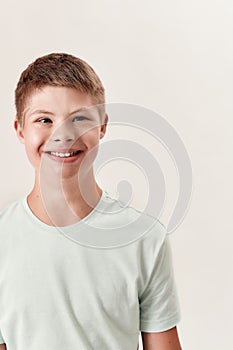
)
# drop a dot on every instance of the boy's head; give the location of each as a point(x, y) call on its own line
point(57, 69)
point(57, 119)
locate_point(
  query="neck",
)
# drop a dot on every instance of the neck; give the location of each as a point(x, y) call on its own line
point(62, 202)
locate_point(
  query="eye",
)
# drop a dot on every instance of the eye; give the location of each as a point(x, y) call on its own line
point(79, 118)
point(44, 120)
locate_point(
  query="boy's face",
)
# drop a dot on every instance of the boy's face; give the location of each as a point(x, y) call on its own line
point(60, 127)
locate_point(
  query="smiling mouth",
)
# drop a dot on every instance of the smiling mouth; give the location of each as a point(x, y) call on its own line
point(63, 155)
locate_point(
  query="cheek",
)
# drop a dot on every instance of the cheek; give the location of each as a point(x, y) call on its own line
point(92, 138)
point(33, 142)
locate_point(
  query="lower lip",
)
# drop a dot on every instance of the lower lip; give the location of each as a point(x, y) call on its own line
point(71, 159)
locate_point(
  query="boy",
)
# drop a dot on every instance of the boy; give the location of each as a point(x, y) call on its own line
point(61, 291)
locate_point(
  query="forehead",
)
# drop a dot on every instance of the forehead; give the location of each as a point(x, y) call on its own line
point(56, 99)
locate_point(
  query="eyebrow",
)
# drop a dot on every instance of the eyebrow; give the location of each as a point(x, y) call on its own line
point(42, 111)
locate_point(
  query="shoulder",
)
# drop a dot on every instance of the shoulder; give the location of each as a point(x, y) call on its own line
point(11, 221)
point(138, 225)
point(10, 213)
point(9, 208)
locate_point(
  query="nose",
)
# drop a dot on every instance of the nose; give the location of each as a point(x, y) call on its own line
point(64, 133)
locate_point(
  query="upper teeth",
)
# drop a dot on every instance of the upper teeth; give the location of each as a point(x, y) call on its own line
point(58, 154)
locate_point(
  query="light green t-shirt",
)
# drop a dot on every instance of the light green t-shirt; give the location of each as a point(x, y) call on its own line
point(59, 290)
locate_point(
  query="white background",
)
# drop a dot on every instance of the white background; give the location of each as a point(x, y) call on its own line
point(174, 57)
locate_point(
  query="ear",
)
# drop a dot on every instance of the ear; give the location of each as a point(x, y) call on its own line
point(19, 130)
point(104, 126)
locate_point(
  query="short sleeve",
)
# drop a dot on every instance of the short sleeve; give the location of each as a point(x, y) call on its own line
point(1, 339)
point(159, 305)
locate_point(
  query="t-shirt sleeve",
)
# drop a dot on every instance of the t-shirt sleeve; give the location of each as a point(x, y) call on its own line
point(1, 339)
point(159, 305)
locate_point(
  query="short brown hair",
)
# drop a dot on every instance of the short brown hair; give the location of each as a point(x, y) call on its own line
point(57, 69)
